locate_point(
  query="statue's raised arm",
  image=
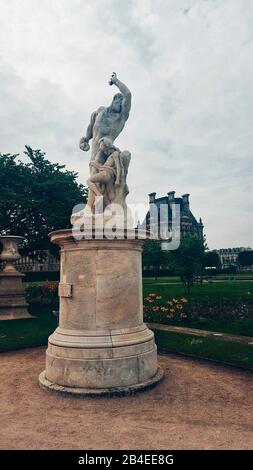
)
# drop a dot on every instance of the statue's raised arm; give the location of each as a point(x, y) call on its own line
point(108, 121)
point(127, 97)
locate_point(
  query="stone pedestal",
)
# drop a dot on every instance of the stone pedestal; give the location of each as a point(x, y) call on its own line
point(101, 345)
point(12, 301)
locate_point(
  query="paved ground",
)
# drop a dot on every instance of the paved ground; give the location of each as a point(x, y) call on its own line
point(198, 406)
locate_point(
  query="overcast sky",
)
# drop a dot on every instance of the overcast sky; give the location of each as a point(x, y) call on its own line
point(189, 66)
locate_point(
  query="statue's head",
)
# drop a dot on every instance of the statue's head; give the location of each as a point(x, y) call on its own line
point(106, 145)
point(117, 103)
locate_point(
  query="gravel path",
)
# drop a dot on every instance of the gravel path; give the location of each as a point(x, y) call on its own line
point(198, 406)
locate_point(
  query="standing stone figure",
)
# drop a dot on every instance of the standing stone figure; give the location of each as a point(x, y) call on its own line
point(108, 179)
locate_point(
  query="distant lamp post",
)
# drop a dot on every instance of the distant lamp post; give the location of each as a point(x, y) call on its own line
point(12, 300)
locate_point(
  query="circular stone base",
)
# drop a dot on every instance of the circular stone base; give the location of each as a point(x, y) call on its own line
point(12, 315)
point(100, 392)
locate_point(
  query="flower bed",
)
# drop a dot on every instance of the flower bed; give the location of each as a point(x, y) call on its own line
point(160, 309)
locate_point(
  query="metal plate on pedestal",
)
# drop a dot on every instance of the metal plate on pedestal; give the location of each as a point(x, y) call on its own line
point(65, 290)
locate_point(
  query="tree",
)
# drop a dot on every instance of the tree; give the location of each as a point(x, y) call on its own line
point(212, 259)
point(36, 198)
point(187, 261)
point(245, 258)
point(153, 257)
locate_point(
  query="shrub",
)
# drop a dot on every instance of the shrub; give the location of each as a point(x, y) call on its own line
point(45, 294)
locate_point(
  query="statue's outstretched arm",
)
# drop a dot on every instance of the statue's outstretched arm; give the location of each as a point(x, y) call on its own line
point(84, 141)
point(126, 105)
point(89, 132)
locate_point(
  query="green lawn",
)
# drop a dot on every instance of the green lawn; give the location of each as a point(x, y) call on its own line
point(26, 333)
point(205, 348)
point(244, 275)
point(224, 289)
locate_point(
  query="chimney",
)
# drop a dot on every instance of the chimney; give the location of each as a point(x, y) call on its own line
point(171, 196)
point(186, 201)
point(152, 198)
point(201, 228)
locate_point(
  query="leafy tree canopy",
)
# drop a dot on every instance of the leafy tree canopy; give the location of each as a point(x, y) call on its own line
point(212, 259)
point(188, 260)
point(36, 198)
point(245, 258)
point(153, 257)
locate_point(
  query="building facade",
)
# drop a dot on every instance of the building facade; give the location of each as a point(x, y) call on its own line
point(189, 225)
point(229, 256)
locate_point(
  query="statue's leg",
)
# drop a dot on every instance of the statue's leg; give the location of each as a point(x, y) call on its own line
point(96, 189)
point(102, 177)
point(93, 188)
point(91, 199)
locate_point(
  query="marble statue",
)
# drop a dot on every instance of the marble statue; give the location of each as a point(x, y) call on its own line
point(108, 165)
point(102, 346)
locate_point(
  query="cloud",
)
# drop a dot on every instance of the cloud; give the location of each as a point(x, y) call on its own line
point(188, 66)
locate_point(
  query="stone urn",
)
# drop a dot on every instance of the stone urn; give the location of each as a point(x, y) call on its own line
point(12, 301)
